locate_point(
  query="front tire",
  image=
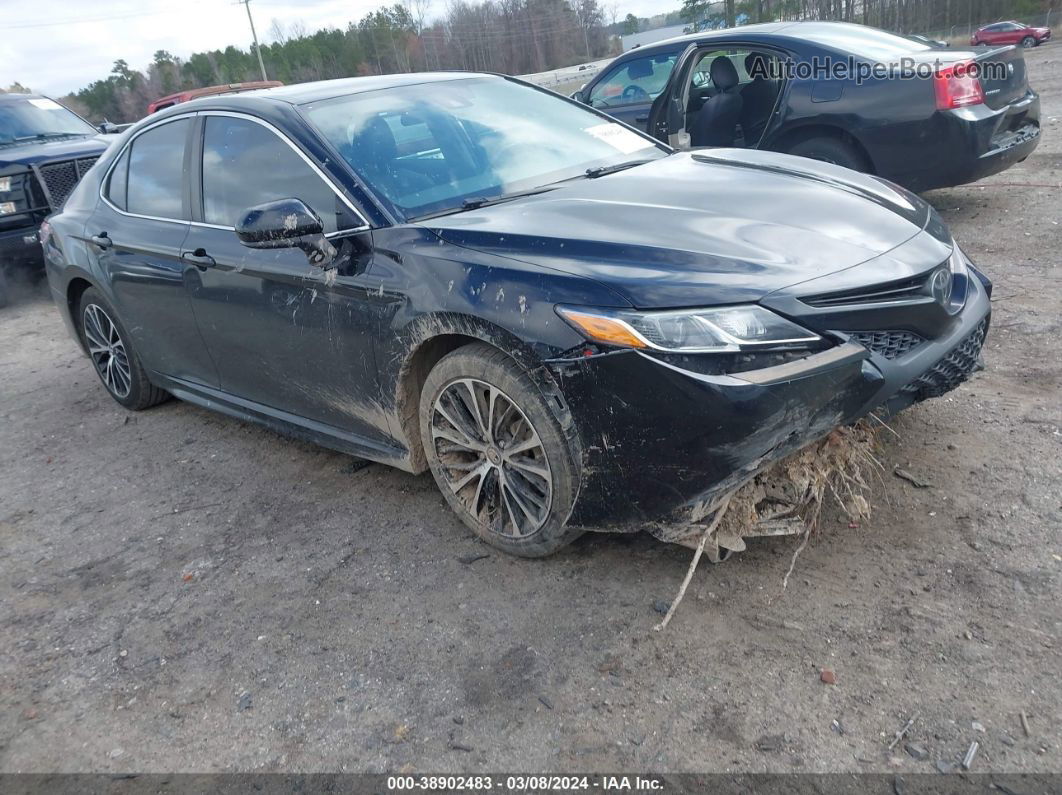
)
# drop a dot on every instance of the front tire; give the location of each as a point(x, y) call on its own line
point(497, 453)
point(113, 356)
point(830, 150)
point(1028, 42)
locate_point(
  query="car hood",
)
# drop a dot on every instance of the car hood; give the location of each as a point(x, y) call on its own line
point(717, 226)
point(33, 152)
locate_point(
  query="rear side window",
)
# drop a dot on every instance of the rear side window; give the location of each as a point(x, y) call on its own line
point(156, 169)
point(245, 164)
point(116, 183)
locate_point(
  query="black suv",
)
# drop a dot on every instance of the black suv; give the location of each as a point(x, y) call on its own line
point(45, 149)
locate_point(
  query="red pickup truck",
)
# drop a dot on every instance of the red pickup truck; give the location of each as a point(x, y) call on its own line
point(209, 91)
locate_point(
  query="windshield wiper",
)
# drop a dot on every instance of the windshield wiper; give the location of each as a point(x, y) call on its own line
point(601, 171)
point(486, 201)
point(476, 202)
point(44, 136)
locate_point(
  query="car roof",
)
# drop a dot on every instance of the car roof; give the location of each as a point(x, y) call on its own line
point(667, 44)
point(303, 93)
point(803, 30)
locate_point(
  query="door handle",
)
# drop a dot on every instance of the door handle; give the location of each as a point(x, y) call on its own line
point(199, 258)
point(641, 118)
point(102, 240)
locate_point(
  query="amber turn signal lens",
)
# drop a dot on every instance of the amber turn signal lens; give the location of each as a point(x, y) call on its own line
point(604, 329)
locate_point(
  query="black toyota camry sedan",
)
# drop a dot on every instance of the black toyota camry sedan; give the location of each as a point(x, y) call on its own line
point(914, 113)
point(571, 325)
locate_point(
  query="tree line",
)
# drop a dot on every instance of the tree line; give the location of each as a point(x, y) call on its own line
point(902, 16)
point(508, 36)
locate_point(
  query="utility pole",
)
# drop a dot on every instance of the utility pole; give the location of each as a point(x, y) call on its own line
point(254, 35)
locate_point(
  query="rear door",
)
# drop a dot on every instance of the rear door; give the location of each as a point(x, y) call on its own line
point(137, 234)
point(285, 334)
point(628, 89)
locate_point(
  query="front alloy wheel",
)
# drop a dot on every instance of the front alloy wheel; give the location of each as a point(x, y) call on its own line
point(492, 457)
point(497, 451)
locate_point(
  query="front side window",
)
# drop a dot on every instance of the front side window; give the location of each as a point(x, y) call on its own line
point(637, 80)
point(156, 171)
point(246, 164)
point(432, 146)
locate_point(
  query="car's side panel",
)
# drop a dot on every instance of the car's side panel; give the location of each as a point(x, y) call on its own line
point(291, 335)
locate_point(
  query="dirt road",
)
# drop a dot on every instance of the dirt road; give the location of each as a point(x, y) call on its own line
point(181, 591)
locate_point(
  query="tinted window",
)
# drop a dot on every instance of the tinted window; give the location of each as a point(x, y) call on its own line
point(116, 182)
point(156, 167)
point(245, 164)
point(637, 80)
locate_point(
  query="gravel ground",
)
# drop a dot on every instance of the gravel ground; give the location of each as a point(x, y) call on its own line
point(182, 591)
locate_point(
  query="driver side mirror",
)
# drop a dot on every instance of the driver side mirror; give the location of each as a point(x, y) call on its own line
point(108, 128)
point(285, 223)
point(578, 96)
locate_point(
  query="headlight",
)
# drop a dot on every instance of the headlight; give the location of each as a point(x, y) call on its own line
point(957, 261)
point(5, 184)
point(6, 208)
point(723, 330)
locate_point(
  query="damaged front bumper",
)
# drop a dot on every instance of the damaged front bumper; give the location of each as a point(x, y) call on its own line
point(660, 443)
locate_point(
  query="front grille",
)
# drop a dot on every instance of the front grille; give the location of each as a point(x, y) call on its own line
point(960, 363)
point(60, 178)
point(890, 344)
point(880, 293)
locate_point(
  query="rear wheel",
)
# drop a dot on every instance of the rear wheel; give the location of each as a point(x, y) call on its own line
point(831, 150)
point(3, 288)
point(112, 353)
point(497, 453)
point(1028, 41)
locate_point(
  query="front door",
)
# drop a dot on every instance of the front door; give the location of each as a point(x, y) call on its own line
point(628, 90)
point(285, 334)
point(138, 235)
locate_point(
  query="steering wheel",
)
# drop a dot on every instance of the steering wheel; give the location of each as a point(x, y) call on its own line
point(633, 93)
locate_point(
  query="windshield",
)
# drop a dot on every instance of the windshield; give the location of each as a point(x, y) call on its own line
point(38, 117)
point(434, 146)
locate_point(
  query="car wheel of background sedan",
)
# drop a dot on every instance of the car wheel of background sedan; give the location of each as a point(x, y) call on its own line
point(830, 150)
point(113, 356)
point(497, 453)
point(1028, 42)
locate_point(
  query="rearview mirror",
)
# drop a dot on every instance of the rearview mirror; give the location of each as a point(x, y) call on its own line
point(285, 223)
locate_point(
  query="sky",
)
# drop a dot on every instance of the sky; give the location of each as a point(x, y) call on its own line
point(76, 42)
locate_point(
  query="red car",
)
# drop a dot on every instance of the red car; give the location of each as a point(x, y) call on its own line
point(1010, 33)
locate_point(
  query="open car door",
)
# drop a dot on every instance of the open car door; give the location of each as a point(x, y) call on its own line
point(668, 111)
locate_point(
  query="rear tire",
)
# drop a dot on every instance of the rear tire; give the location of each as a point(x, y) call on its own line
point(3, 288)
point(1028, 42)
point(497, 452)
point(112, 353)
point(830, 150)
